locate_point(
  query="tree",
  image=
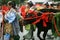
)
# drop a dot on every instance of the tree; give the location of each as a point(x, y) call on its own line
point(56, 0)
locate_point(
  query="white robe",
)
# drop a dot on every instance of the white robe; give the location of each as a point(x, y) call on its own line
point(11, 15)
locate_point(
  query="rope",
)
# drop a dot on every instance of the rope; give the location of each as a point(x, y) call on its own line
point(56, 29)
point(38, 16)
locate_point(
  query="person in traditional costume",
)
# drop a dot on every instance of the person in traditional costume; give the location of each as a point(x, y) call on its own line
point(11, 18)
point(28, 14)
point(4, 7)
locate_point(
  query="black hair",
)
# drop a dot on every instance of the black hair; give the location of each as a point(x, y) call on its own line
point(52, 5)
point(30, 3)
point(13, 4)
point(47, 4)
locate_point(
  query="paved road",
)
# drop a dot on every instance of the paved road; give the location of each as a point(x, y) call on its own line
point(1, 38)
point(35, 35)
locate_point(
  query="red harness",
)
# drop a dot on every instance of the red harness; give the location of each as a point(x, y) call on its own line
point(44, 17)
